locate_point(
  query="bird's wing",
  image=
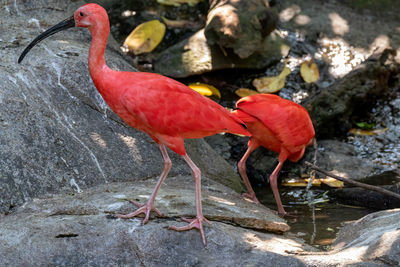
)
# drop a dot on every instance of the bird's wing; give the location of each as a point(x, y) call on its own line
point(165, 106)
point(289, 121)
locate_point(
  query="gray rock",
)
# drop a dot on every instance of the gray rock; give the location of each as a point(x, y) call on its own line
point(239, 25)
point(195, 56)
point(56, 131)
point(76, 230)
point(332, 108)
point(373, 237)
point(341, 159)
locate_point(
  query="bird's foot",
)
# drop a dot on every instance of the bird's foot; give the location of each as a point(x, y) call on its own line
point(252, 197)
point(143, 208)
point(193, 223)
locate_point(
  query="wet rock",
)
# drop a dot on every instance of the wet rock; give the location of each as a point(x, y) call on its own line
point(73, 230)
point(195, 56)
point(360, 197)
point(56, 131)
point(239, 25)
point(341, 159)
point(333, 108)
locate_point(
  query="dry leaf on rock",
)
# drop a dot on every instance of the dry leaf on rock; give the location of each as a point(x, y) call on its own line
point(243, 92)
point(145, 37)
point(309, 71)
point(206, 90)
point(271, 84)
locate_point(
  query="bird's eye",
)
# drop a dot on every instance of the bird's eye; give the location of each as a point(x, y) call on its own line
point(81, 14)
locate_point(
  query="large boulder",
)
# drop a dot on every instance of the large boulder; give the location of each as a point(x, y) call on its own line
point(56, 131)
point(80, 229)
point(240, 25)
point(194, 56)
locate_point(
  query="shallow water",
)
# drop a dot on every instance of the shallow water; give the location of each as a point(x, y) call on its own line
point(319, 223)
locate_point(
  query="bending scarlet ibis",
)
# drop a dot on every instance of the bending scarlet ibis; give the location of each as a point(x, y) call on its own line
point(163, 108)
point(279, 125)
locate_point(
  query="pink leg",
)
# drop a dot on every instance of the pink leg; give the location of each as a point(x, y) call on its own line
point(242, 170)
point(198, 221)
point(273, 180)
point(149, 206)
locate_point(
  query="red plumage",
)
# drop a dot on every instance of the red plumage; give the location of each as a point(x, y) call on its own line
point(164, 108)
point(277, 124)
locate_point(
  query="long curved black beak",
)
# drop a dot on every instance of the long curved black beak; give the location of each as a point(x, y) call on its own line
point(63, 25)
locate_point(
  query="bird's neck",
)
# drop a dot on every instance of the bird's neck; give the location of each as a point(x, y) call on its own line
point(97, 64)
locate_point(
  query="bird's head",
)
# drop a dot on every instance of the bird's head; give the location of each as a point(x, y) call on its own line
point(86, 16)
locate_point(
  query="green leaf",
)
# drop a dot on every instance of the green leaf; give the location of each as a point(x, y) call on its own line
point(365, 125)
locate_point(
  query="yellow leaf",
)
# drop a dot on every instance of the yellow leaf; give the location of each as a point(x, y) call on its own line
point(271, 84)
point(145, 37)
point(309, 71)
point(332, 182)
point(178, 2)
point(206, 90)
point(300, 182)
point(367, 132)
point(242, 92)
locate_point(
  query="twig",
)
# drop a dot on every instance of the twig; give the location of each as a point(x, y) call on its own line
point(355, 183)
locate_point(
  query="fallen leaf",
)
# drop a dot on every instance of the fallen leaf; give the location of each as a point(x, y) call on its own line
point(367, 132)
point(206, 90)
point(145, 37)
point(178, 2)
point(300, 182)
point(365, 125)
point(243, 92)
point(332, 182)
point(309, 71)
point(271, 84)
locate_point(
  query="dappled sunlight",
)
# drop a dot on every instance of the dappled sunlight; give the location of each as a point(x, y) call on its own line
point(387, 240)
point(289, 13)
point(302, 20)
point(221, 200)
point(274, 244)
point(195, 43)
point(98, 140)
point(381, 42)
point(364, 247)
point(339, 25)
point(293, 12)
point(340, 173)
point(130, 142)
point(340, 55)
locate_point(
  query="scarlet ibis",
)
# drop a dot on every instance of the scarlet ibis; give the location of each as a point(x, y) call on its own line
point(168, 111)
point(279, 125)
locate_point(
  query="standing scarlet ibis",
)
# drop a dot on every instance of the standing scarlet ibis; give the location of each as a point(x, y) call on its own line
point(279, 125)
point(165, 109)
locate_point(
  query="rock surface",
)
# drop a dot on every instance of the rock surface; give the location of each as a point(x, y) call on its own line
point(239, 25)
point(75, 229)
point(341, 159)
point(195, 56)
point(80, 229)
point(56, 131)
point(375, 236)
point(332, 109)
